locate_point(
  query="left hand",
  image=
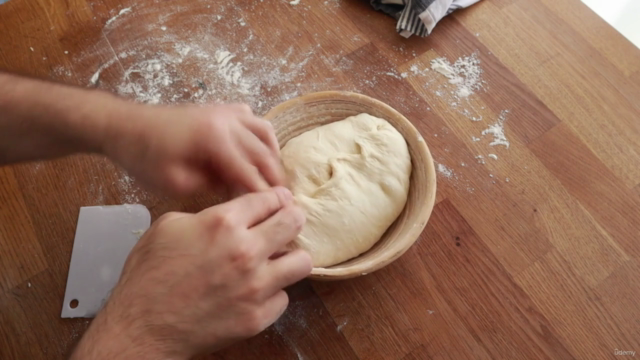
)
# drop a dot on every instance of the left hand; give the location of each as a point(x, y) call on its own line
point(182, 149)
point(196, 283)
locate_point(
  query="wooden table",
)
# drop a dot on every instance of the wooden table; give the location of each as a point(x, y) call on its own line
point(530, 256)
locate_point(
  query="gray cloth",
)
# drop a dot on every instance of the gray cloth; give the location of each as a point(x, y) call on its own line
point(419, 17)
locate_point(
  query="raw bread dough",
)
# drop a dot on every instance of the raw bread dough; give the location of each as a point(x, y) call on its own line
point(351, 177)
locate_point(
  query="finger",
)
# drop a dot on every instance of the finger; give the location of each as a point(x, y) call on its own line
point(170, 216)
point(264, 131)
point(238, 169)
point(280, 229)
point(262, 158)
point(243, 109)
point(253, 208)
point(249, 176)
point(288, 269)
point(273, 308)
point(237, 191)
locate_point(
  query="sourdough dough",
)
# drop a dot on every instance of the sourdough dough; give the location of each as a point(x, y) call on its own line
point(351, 177)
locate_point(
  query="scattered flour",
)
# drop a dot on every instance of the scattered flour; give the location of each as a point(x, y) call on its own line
point(122, 12)
point(415, 70)
point(445, 171)
point(464, 79)
point(339, 328)
point(96, 193)
point(96, 76)
point(393, 75)
point(205, 67)
point(130, 193)
point(465, 74)
point(294, 320)
point(213, 70)
point(182, 49)
point(497, 131)
point(146, 79)
point(231, 72)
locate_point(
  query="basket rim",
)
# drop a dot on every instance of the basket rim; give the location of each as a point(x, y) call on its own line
point(355, 270)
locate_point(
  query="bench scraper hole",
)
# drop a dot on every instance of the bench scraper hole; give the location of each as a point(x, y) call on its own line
point(73, 304)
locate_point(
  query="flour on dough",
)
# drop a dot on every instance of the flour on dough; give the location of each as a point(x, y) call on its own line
point(351, 177)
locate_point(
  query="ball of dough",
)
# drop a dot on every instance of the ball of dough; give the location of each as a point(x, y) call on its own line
point(351, 177)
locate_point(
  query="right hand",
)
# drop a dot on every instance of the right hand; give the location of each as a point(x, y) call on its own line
point(197, 283)
point(182, 149)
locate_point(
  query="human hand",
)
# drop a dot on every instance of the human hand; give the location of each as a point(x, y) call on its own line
point(181, 149)
point(197, 283)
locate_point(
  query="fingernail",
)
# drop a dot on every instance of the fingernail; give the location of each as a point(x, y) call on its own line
point(284, 194)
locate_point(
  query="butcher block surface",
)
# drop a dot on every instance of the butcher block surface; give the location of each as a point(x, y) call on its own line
point(532, 250)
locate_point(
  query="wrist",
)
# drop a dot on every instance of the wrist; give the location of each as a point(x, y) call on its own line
point(123, 128)
point(42, 120)
point(111, 336)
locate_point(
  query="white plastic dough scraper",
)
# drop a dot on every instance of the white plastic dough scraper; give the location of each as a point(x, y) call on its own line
point(104, 237)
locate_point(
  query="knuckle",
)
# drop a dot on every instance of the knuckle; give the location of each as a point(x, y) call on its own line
point(212, 128)
point(253, 291)
point(224, 221)
point(254, 323)
point(244, 257)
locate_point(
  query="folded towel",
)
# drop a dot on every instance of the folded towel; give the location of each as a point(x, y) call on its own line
point(419, 17)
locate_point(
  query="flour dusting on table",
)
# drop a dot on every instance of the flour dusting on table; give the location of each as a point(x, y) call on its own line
point(465, 73)
point(222, 60)
point(497, 131)
point(459, 95)
point(119, 14)
point(207, 71)
point(445, 171)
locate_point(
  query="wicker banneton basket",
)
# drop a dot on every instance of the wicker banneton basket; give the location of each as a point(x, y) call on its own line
point(304, 113)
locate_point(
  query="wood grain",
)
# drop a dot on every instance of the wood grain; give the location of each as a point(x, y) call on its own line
point(22, 255)
point(530, 256)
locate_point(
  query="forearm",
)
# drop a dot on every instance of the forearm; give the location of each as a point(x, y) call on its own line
point(110, 337)
point(40, 120)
